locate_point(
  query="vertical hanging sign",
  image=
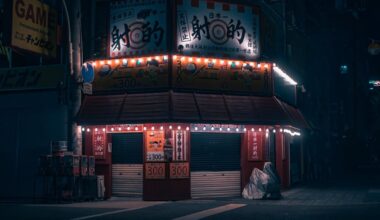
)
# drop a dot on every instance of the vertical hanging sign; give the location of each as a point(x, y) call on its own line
point(179, 145)
point(99, 144)
point(255, 146)
point(137, 28)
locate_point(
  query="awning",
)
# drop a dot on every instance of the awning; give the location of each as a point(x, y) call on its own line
point(188, 107)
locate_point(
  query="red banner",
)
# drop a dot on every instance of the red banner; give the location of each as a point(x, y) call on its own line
point(99, 144)
point(255, 146)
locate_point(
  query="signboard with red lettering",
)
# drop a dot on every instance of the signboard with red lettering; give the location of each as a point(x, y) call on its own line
point(137, 28)
point(179, 170)
point(34, 27)
point(255, 146)
point(154, 170)
point(210, 28)
point(99, 144)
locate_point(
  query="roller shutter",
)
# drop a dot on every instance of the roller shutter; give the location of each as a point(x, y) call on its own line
point(215, 165)
point(127, 164)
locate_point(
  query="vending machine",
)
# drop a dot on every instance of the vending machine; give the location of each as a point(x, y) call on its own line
point(91, 165)
point(84, 165)
point(72, 165)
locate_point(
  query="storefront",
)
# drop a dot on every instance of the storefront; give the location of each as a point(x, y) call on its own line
point(189, 115)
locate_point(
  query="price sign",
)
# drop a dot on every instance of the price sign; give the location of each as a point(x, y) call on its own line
point(155, 171)
point(179, 170)
point(154, 145)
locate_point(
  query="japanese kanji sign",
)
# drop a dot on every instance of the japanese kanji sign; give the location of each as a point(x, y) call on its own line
point(137, 28)
point(99, 144)
point(217, 29)
point(255, 146)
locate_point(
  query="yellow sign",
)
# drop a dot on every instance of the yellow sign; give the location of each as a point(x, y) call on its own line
point(35, 77)
point(228, 76)
point(34, 27)
point(127, 77)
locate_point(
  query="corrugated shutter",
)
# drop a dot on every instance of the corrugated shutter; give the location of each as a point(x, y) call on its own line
point(127, 148)
point(127, 180)
point(127, 167)
point(215, 165)
point(215, 151)
point(206, 184)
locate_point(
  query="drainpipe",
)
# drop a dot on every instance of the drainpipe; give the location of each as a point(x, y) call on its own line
point(73, 20)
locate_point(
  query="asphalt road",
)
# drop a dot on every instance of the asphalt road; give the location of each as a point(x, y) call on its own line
point(229, 208)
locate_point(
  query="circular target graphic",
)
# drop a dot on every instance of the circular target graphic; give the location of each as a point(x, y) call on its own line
point(136, 35)
point(218, 31)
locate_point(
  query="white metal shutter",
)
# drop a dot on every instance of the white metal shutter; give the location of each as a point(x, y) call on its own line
point(127, 167)
point(215, 165)
point(208, 184)
point(127, 180)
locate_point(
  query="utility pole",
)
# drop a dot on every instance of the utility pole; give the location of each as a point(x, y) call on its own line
point(73, 18)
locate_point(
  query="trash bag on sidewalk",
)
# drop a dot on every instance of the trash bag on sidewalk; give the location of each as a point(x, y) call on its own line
point(256, 188)
point(274, 185)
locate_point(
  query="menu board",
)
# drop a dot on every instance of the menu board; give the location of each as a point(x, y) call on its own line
point(154, 145)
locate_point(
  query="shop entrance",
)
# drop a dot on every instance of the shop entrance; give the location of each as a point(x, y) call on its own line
point(215, 165)
point(127, 164)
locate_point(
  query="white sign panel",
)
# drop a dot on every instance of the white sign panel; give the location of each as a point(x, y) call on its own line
point(137, 27)
point(217, 29)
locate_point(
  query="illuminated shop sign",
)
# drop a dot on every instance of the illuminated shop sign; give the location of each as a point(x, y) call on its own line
point(221, 75)
point(34, 27)
point(137, 27)
point(214, 28)
point(130, 74)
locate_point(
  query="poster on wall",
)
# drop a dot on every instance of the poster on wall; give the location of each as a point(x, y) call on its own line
point(255, 146)
point(219, 76)
point(130, 77)
point(99, 144)
point(179, 145)
point(154, 145)
point(137, 27)
point(217, 29)
point(34, 27)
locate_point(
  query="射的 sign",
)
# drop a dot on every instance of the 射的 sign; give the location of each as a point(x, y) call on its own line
point(209, 28)
point(137, 28)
